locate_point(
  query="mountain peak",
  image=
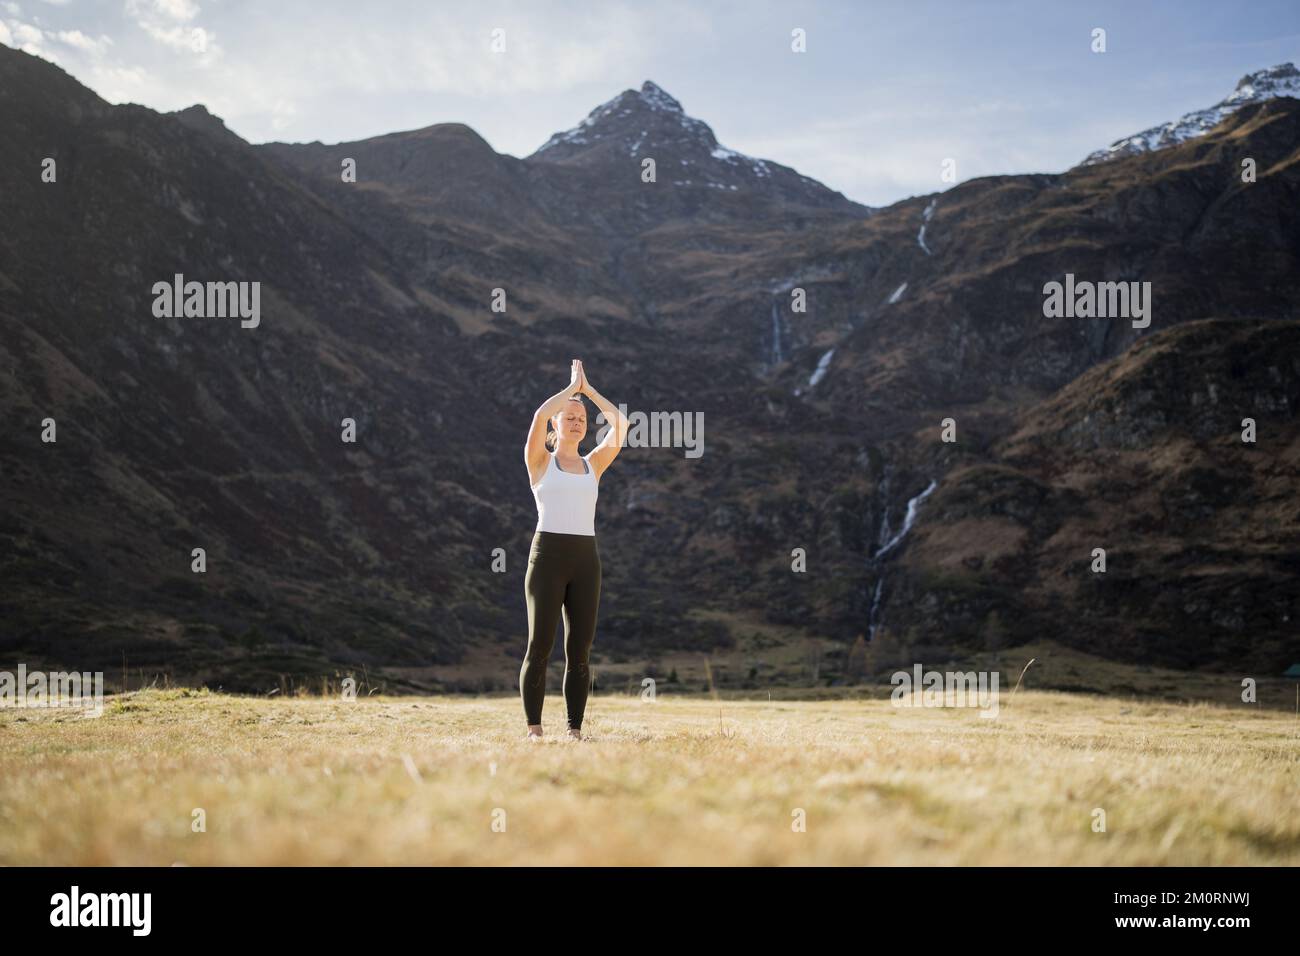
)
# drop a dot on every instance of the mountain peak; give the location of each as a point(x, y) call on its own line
point(200, 118)
point(656, 98)
point(649, 123)
point(1266, 84)
point(634, 113)
point(1280, 80)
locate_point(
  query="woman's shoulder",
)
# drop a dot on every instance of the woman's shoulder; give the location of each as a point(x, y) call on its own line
point(541, 473)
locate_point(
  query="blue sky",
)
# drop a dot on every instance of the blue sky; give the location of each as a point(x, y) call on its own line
point(885, 92)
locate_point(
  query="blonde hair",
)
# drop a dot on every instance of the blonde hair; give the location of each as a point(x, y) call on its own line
point(552, 436)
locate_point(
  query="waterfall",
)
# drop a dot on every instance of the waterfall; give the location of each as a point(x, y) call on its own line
point(820, 371)
point(913, 507)
point(925, 219)
point(875, 605)
point(776, 333)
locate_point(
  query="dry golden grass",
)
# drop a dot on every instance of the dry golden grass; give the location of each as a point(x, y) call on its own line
point(417, 781)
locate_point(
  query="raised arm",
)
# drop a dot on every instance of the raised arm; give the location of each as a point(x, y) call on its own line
point(535, 446)
point(604, 454)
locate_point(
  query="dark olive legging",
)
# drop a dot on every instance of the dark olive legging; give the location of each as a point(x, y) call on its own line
point(563, 575)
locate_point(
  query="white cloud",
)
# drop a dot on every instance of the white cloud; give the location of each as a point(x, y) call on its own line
point(193, 39)
point(177, 9)
point(167, 22)
point(119, 84)
point(26, 33)
point(182, 10)
point(75, 38)
point(28, 38)
point(37, 50)
point(6, 37)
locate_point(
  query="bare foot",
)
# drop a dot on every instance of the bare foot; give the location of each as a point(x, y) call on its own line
point(534, 732)
point(575, 734)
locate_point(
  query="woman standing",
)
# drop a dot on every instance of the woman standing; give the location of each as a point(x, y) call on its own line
point(564, 565)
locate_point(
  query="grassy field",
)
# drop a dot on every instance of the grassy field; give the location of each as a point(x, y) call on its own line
point(679, 780)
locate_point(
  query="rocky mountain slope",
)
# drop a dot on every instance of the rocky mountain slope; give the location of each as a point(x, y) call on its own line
point(648, 124)
point(1280, 80)
point(822, 428)
point(1142, 457)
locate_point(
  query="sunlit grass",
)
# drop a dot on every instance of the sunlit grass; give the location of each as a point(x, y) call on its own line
point(676, 781)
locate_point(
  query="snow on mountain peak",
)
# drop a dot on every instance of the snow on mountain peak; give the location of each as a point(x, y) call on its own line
point(656, 98)
point(1280, 80)
point(645, 117)
point(650, 123)
point(630, 114)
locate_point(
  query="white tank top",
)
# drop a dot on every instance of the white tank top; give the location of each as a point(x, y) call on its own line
point(566, 503)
